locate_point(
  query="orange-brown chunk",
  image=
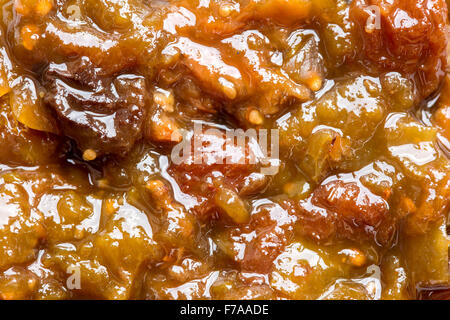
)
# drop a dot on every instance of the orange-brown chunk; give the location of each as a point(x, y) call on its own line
point(256, 245)
point(345, 210)
point(213, 161)
point(410, 37)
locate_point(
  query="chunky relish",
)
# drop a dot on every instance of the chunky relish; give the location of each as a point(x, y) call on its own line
point(224, 149)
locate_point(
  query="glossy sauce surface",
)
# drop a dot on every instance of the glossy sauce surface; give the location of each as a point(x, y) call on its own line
point(99, 97)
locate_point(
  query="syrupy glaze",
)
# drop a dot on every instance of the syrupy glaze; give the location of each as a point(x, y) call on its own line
point(99, 97)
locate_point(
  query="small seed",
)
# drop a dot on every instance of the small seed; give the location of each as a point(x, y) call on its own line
point(255, 117)
point(225, 10)
point(89, 155)
point(228, 88)
point(354, 257)
point(157, 188)
point(32, 283)
point(315, 83)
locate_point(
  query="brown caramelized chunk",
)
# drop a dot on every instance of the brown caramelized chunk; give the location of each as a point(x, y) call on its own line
point(405, 35)
point(345, 210)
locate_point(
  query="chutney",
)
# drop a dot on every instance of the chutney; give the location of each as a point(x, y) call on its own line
point(99, 98)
